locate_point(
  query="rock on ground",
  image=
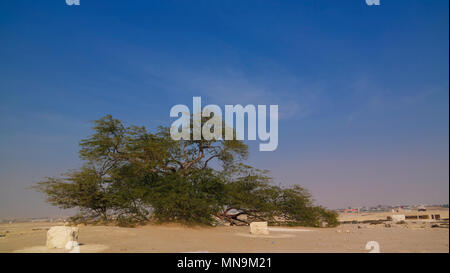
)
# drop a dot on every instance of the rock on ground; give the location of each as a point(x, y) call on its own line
point(259, 228)
point(398, 217)
point(59, 236)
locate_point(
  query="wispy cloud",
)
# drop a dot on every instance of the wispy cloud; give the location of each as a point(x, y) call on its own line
point(295, 98)
point(228, 81)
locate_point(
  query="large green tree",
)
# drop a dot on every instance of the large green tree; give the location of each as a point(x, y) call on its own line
point(132, 175)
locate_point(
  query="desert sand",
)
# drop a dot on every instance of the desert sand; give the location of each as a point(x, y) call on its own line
point(414, 236)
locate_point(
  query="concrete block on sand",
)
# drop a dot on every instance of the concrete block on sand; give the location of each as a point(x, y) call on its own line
point(398, 217)
point(59, 236)
point(259, 228)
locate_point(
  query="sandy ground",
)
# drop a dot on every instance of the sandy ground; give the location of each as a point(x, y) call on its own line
point(411, 237)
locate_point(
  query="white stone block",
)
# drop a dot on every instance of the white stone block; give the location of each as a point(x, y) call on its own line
point(398, 217)
point(59, 236)
point(259, 228)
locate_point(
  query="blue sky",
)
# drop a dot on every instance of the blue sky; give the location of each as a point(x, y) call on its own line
point(363, 92)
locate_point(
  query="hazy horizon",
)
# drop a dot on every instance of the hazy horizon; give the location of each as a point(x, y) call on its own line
point(363, 92)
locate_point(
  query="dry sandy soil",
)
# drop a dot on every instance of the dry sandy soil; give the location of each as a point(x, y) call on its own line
point(410, 237)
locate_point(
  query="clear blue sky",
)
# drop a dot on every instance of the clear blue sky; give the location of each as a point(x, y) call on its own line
point(363, 91)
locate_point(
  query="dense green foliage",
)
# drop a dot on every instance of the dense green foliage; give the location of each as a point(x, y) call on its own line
point(134, 176)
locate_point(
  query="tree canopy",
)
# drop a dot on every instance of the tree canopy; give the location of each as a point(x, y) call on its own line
point(134, 176)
